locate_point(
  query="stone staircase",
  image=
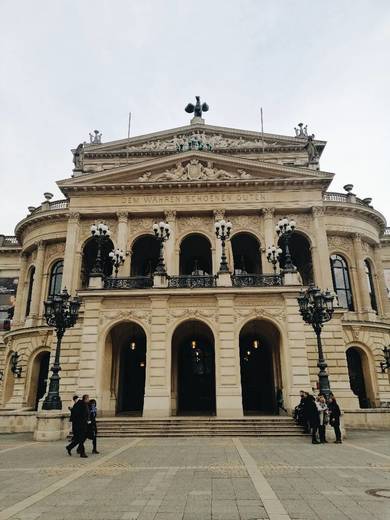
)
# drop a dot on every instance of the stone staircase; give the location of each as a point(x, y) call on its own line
point(259, 426)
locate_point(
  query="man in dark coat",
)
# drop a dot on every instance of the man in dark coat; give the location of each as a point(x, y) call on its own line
point(313, 417)
point(334, 419)
point(79, 418)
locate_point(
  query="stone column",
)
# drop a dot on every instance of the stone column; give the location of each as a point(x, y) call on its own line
point(121, 241)
point(158, 362)
point(362, 278)
point(20, 293)
point(320, 250)
point(269, 237)
point(227, 361)
point(170, 244)
point(380, 276)
point(69, 278)
point(37, 285)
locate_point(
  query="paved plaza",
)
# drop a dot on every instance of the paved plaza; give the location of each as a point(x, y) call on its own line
point(197, 479)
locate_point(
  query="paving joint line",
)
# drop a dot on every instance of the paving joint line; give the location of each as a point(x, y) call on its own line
point(43, 493)
point(272, 505)
point(382, 455)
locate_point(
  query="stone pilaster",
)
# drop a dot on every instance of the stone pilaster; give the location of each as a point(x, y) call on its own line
point(380, 277)
point(121, 240)
point(269, 237)
point(21, 291)
point(157, 402)
point(37, 285)
point(320, 251)
point(365, 304)
point(169, 246)
point(227, 361)
point(70, 276)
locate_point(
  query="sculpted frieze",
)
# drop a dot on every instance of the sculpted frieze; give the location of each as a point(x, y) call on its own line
point(243, 222)
point(194, 223)
point(277, 313)
point(140, 314)
point(190, 313)
point(53, 250)
point(336, 242)
point(194, 170)
point(198, 140)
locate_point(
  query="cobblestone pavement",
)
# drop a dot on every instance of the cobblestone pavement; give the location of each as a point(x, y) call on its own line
point(197, 479)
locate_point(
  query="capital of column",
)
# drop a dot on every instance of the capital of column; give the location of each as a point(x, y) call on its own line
point(74, 217)
point(219, 214)
point(170, 215)
point(357, 237)
point(268, 212)
point(318, 211)
point(40, 245)
point(122, 216)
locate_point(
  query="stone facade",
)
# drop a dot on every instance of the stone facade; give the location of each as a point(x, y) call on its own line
point(191, 177)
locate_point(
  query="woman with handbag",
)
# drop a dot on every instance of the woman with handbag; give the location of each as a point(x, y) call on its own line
point(323, 417)
point(335, 414)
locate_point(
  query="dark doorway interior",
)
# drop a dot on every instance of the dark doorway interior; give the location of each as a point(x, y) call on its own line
point(246, 254)
point(132, 367)
point(195, 255)
point(144, 257)
point(301, 256)
point(89, 258)
point(43, 373)
point(260, 368)
point(195, 369)
point(356, 377)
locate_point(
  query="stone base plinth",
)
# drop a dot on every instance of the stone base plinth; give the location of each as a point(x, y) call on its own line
point(368, 418)
point(156, 406)
point(224, 280)
point(17, 421)
point(291, 278)
point(95, 282)
point(229, 406)
point(160, 281)
point(52, 426)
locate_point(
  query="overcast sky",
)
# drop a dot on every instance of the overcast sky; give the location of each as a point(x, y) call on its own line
point(70, 66)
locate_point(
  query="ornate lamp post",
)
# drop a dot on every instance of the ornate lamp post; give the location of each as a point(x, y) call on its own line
point(385, 365)
point(16, 369)
point(101, 233)
point(273, 255)
point(60, 313)
point(285, 228)
point(162, 233)
point(118, 258)
point(316, 308)
point(222, 232)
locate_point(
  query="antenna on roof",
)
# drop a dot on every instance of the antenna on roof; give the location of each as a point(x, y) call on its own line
point(262, 127)
point(128, 137)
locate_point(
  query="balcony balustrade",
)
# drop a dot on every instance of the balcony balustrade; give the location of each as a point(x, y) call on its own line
point(256, 280)
point(192, 281)
point(130, 282)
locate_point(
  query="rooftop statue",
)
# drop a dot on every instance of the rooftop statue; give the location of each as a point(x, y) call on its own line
point(198, 108)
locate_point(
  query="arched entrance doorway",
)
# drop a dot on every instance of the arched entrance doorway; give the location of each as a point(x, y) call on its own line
point(193, 369)
point(195, 255)
point(261, 379)
point(39, 377)
point(359, 376)
point(128, 342)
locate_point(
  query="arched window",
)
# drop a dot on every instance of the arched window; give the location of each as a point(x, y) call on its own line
point(341, 281)
point(301, 256)
point(370, 284)
point(195, 255)
point(144, 256)
point(30, 290)
point(56, 278)
point(89, 258)
point(246, 254)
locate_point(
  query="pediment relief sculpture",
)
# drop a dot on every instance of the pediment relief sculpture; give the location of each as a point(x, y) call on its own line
point(194, 171)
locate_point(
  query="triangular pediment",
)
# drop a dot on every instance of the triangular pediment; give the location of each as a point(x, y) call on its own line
point(193, 167)
point(196, 137)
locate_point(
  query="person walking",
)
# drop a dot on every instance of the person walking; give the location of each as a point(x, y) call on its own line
point(313, 418)
point(323, 417)
point(79, 417)
point(334, 419)
point(92, 427)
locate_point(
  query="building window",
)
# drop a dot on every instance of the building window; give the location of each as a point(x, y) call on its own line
point(30, 290)
point(341, 281)
point(370, 285)
point(56, 278)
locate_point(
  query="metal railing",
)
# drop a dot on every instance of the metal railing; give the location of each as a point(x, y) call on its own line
point(257, 280)
point(191, 281)
point(129, 282)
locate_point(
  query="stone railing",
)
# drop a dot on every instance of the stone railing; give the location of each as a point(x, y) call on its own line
point(387, 231)
point(130, 282)
point(191, 281)
point(332, 196)
point(8, 241)
point(257, 280)
point(51, 206)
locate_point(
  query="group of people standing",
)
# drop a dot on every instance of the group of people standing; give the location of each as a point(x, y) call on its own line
point(83, 420)
point(314, 413)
